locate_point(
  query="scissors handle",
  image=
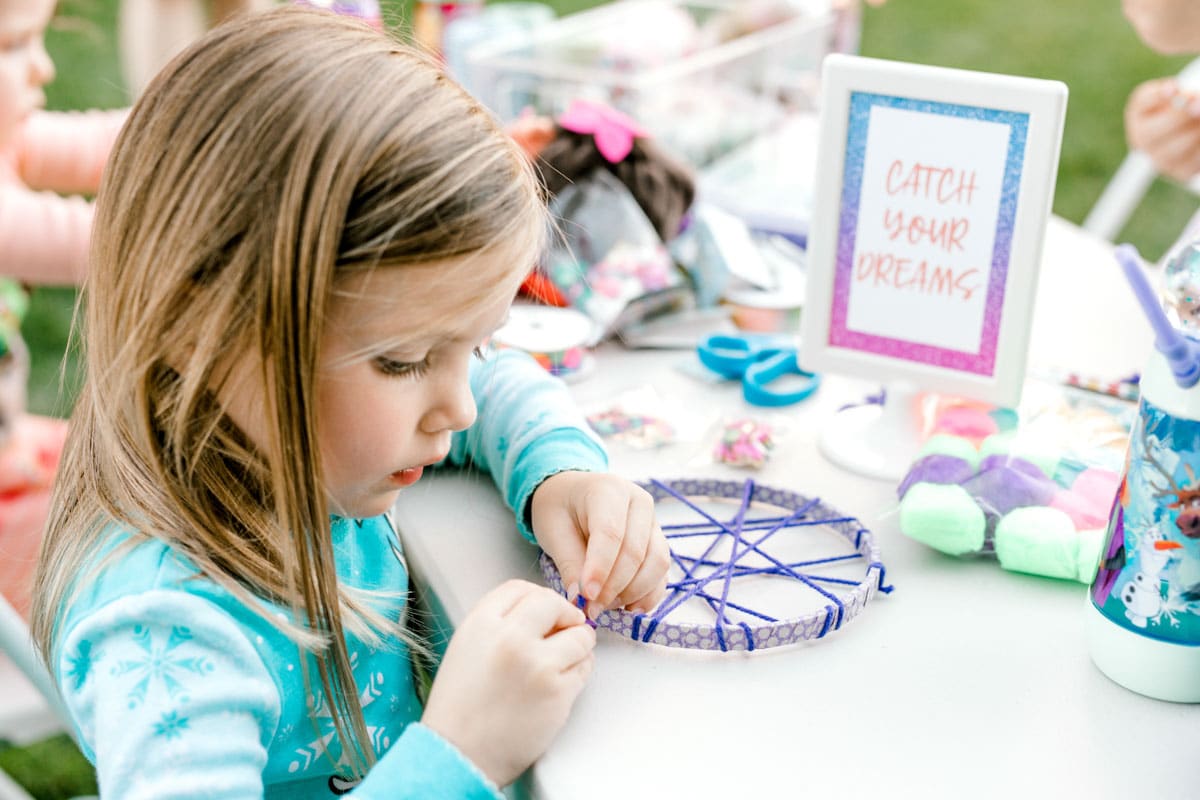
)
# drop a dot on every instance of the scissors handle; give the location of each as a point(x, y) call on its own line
point(727, 356)
point(755, 383)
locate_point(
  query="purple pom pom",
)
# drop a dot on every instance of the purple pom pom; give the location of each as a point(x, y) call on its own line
point(935, 468)
point(1006, 486)
point(1004, 460)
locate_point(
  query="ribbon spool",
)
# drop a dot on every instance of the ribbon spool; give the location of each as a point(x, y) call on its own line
point(760, 311)
point(556, 338)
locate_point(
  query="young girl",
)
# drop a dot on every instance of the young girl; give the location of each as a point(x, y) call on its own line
point(305, 232)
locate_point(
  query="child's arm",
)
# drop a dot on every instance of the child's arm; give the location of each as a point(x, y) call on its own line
point(66, 151)
point(172, 701)
point(598, 528)
point(528, 428)
point(169, 698)
point(43, 237)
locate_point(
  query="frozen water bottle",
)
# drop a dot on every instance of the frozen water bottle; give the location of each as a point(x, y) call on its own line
point(1143, 617)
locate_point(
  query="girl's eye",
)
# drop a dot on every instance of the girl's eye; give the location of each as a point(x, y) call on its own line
point(407, 369)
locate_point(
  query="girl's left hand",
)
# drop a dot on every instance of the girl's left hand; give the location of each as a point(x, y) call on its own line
point(601, 532)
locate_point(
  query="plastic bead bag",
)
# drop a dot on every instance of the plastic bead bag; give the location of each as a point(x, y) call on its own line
point(745, 441)
point(642, 420)
point(1032, 488)
point(609, 256)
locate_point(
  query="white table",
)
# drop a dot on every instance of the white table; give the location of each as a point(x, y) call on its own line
point(967, 681)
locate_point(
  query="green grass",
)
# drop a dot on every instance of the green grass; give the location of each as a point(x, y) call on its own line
point(52, 769)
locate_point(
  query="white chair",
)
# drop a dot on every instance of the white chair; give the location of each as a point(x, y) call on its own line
point(1124, 192)
point(17, 643)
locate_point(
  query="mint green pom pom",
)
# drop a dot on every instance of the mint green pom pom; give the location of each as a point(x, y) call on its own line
point(944, 517)
point(1039, 540)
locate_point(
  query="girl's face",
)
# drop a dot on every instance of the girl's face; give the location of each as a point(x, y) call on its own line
point(25, 66)
point(1169, 26)
point(392, 379)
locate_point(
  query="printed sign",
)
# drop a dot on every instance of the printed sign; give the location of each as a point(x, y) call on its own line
point(932, 206)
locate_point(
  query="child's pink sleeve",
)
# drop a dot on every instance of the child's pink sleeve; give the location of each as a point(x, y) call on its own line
point(43, 237)
point(65, 151)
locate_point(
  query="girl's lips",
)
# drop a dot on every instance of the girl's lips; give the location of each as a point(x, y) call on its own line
point(407, 477)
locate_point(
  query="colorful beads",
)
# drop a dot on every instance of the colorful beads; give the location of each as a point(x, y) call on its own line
point(744, 443)
point(638, 430)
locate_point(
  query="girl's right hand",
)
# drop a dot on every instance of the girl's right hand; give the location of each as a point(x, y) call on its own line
point(509, 678)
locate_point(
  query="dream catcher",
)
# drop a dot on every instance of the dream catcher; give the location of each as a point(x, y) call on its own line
point(752, 567)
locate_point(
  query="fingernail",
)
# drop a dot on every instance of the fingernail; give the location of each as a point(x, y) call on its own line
point(573, 592)
point(594, 610)
point(592, 589)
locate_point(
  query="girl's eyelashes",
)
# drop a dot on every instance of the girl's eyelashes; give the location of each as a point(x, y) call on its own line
point(401, 369)
point(412, 369)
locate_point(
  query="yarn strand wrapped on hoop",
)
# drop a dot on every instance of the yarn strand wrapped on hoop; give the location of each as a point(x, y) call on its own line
point(781, 569)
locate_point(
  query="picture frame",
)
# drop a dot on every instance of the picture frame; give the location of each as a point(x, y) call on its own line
point(933, 187)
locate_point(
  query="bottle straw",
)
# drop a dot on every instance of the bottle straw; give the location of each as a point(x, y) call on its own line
point(1182, 353)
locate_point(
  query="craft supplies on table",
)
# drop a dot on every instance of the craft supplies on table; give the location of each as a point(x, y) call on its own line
point(643, 419)
point(610, 263)
point(766, 366)
point(1031, 487)
point(745, 442)
point(557, 338)
point(703, 77)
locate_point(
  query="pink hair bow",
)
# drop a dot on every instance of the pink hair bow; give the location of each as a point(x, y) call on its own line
point(612, 131)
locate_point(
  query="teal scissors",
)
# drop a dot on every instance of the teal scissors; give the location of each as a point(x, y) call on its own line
point(758, 361)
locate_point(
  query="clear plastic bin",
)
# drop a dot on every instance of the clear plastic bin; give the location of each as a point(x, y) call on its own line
point(703, 77)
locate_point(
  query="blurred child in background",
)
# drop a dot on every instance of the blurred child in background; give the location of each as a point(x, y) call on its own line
point(43, 240)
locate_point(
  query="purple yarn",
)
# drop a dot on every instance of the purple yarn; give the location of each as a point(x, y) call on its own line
point(1004, 460)
point(1006, 486)
point(935, 468)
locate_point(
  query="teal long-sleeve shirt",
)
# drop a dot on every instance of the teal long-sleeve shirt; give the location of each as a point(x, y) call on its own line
point(179, 690)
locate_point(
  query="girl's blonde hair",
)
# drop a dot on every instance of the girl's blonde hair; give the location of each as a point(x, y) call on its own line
point(270, 159)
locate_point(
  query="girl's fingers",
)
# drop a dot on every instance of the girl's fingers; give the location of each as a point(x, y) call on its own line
point(544, 611)
point(649, 601)
point(604, 524)
point(570, 646)
point(501, 600)
point(648, 585)
point(639, 528)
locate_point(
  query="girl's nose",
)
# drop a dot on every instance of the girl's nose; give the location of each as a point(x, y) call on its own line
point(453, 408)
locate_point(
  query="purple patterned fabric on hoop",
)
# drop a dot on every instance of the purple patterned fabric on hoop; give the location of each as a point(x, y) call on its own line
point(708, 577)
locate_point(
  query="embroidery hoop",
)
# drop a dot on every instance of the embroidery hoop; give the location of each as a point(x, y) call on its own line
point(744, 628)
